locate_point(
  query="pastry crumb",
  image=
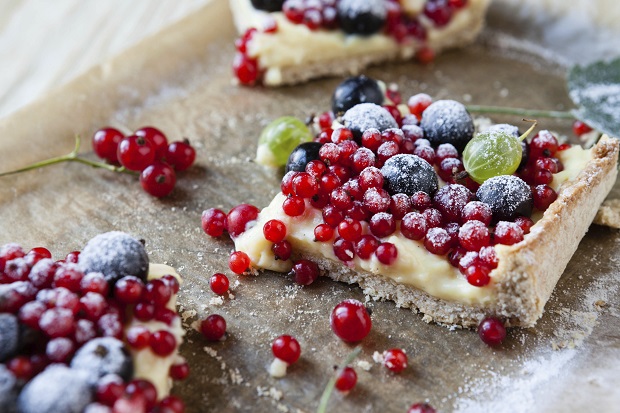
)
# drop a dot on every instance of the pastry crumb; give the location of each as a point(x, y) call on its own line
point(364, 365)
point(609, 214)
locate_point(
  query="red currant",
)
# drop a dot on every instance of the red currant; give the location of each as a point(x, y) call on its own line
point(282, 250)
point(492, 331)
point(274, 230)
point(105, 143)
point(395, 360)
point(350, 321)
point(286, 348)
point(156, 138)
point(213, 327)
point(135, 153)
point(213, 222)
point(158, 179)
point(347, 379)
point(305, 272)
point(239, 217)
point(219, 283)
point(180, 155)
point(239, 262)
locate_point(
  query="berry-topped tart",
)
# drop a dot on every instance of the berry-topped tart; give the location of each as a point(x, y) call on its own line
point(95, 332)
point(291, 41)
point(417, 204)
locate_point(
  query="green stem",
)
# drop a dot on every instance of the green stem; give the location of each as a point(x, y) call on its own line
point(331, 384)
point(520, 112)
point(70, 157)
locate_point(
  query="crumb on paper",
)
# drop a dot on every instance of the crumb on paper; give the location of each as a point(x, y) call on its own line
point(216, 301)
point(377, 357)
point(188, 314)
point(278, 368)
point(364, 365)
point(609, 214)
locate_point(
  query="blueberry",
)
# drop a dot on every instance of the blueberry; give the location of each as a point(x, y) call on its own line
point(115, 254)
point(57, 389)
point(268, 5)
point(365, 116)
point(447, 121)
point(508, 196)
point(104, 355)
point(9, 335)
point(356, 90)
point(301, 155)
point(408, 174)
point(362, 17)
point(8, 390)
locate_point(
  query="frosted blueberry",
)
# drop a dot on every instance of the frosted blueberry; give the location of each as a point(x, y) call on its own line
point(409, 174)
point(508, 196)
point(101, 356)
point(447, 121)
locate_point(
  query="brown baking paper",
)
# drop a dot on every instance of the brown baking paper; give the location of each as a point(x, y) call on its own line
point(180, 82)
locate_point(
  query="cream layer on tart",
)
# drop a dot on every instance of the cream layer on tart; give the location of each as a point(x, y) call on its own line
point(148, 365)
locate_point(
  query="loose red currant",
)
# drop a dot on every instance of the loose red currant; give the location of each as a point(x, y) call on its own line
point(350, 321)
point(213, 222)
point(105, 143)
point(395, 360)
point(213, 327)
point(219, 283)
point(180, 155)
point(179, 371)
point(274, 230)
point(305, 272)
point(158, 179)
point(286, 348)
point(239, 262)
point(347, 379)
point(492, 331)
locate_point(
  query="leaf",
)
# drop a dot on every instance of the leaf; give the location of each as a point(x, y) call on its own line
point(595, 89)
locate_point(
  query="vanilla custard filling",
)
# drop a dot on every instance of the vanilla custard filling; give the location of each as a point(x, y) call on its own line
point(414, 265)
point(295, 44)
point(148, 365)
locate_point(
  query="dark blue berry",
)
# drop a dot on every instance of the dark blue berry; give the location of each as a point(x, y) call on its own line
point(408, 174)
point(362, 17)
point(115, 254)
point(268, 5)
point(9, 336)
point(366, 116)
point(356, 90)
point(447, 121)
point(57, 389)
point(104, 355)
point(508, 196)
point(301, 155)
point(8, 390)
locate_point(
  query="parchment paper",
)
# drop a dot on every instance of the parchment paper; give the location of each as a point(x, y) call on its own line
point(179, 81)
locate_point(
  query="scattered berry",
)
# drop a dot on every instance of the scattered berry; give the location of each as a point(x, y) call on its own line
point(350, 321)
point(492, 331)
point(213, 327)
point(286, 348)
point(347, 379)
point(395, 360)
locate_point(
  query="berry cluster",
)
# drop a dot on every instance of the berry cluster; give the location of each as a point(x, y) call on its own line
point(58, 320)
point(146, 151)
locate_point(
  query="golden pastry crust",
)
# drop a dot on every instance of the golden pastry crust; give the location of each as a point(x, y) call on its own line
point(527, 271)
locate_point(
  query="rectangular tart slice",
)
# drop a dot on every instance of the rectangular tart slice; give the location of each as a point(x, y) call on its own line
point(287, 42)
point(455, 247)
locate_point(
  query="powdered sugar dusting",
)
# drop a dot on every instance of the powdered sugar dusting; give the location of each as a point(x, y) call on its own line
point(352, 8)
point(368, 115)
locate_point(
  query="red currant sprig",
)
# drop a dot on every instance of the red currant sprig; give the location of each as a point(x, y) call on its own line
point(147, 152)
